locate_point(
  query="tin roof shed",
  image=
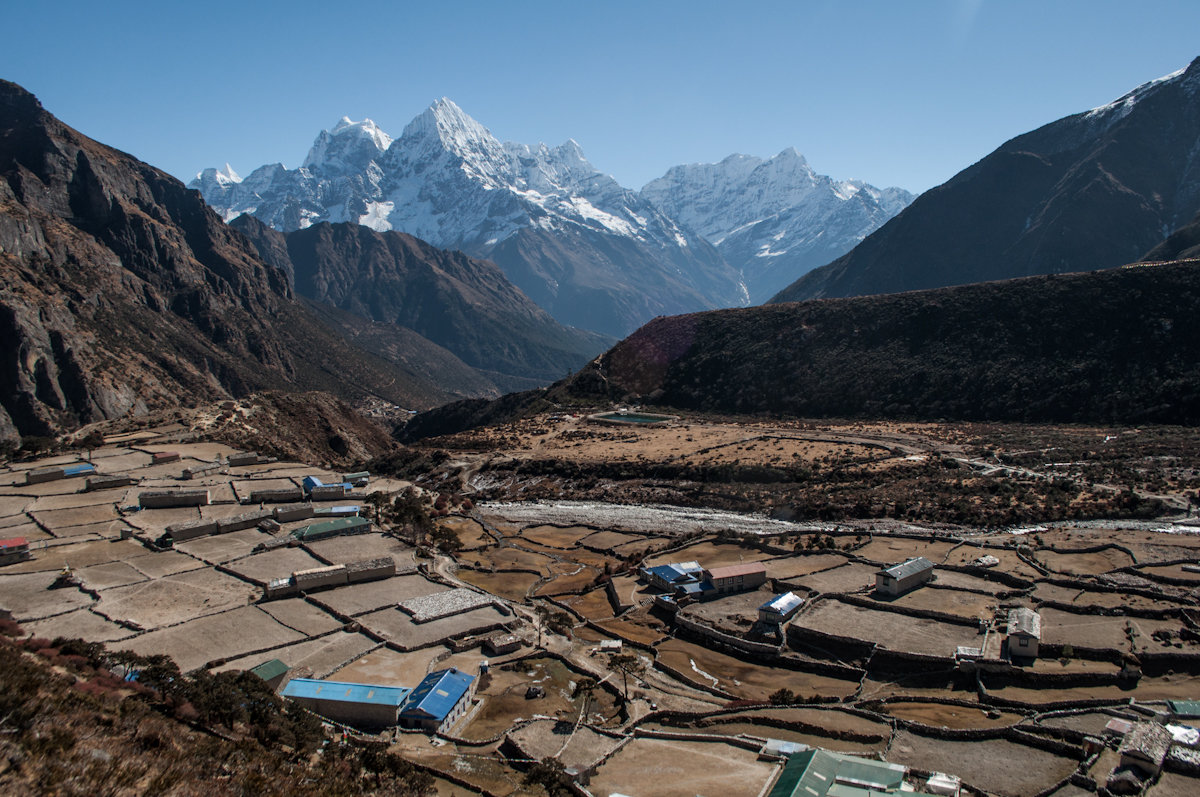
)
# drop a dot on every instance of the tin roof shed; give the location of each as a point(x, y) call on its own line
point(346, 691)
point(907, 568)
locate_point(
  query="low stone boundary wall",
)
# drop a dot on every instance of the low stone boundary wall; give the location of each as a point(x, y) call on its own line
point(728, 640)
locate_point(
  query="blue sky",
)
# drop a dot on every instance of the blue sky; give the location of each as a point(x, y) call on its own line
point(895, 93)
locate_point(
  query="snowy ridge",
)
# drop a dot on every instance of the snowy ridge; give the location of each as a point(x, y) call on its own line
point(774, 219)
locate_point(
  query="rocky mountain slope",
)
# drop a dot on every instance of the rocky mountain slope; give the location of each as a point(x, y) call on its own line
point(1114, 346)
point(776, 219)
point(122, 292)
point(595, 255)
point(466, 305)
point(1091, 191)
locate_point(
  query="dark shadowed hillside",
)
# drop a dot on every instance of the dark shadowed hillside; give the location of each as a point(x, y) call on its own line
point(463, 304)
point(1094, 190)
point(122, 292)
point(1113, 346)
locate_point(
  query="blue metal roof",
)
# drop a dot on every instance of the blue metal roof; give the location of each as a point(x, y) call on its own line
point(75, 470)
point(346, 692)
point(437, 694)
point(344, 510)
point(311, 482)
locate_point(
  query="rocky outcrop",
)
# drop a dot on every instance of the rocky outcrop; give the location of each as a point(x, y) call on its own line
point(122, 292)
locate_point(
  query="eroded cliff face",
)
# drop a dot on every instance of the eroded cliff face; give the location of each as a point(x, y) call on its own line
point(119, 289)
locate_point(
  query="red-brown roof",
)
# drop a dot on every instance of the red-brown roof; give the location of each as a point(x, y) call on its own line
point(13, 542)
point(744, 569)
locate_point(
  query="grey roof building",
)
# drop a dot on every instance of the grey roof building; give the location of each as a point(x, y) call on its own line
point(899, 579)
point(1146, 747)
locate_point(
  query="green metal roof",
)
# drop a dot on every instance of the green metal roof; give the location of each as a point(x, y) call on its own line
point(1185, 708)
point(272, 668)
point(336, 526)
point(820, 773)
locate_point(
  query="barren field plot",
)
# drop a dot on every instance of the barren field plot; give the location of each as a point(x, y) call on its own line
point(575, 749)
point(951, 601)
point(949, 716)
point(110, 574)
point(1009, 561)
point(104, 530)
point(706, 667)
point(999, 766)
point(78, 624)
point(611, 540)
point(509, 558)
point(730, 612)
point(846, 578)
point(221, 548)
point(175, 599)
point(480, 767)
point(1172, 571)
point(60, 521)
point(509, 584)
point(155, 521)
point(568, 579)
point(710, 554)
point(14, 505)
point(1085, 597)
point(889, 629)
point(120, 460)
point(791, 567)
point(504, 700)
point(279, 563)
point(1084, 564)
point(1171, 784)
point(301, 615)
point(28, 597)
point(832, 720)
point(1091, 722)
point(1083, 630)
point(78, 554)
point(391, 668)
point(893, 550)
point(398, 627)
point(310, 658)
point(100, 498)
point(764, 732)
point(242, 487)
point(164, 563)
point(470, 533)
point(357, 547)
point(592, 605)
point(31, 532)
point(369, 596)
point(209, 452)
point(218, 636)
point(682, 769)
point(555, 536)
point(950, 578)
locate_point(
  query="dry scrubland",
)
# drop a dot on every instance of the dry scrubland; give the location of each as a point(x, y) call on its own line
point(1087, 543)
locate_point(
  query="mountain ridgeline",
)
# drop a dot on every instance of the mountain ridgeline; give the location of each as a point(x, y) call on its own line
point(1091, 191)
point(466, 305)
point(1115, 346)
point(594, 254)
point(122, 292)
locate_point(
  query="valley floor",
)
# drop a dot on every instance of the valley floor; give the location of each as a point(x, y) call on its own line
point(1088, 527)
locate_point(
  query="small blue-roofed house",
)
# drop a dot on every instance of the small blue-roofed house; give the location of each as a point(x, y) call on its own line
point(310, 482)
point(360, 705)
point(439, 700)
point(82, 469)
point(673, 577)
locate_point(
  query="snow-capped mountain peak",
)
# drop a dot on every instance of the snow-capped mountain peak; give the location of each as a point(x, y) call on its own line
point(348, 145)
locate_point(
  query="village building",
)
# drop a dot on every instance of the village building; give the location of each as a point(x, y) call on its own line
point(1145, 747)
point(170, 499)
point(332, 528)
point(501, 644)
point(13, 550)
point(360, 705)
point(821, 773)
point(736, 578)
point(439, 700)
point(1024, 632)
point(673, 577)
point(904, 577)
point(272, 671)
point(780, 608)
